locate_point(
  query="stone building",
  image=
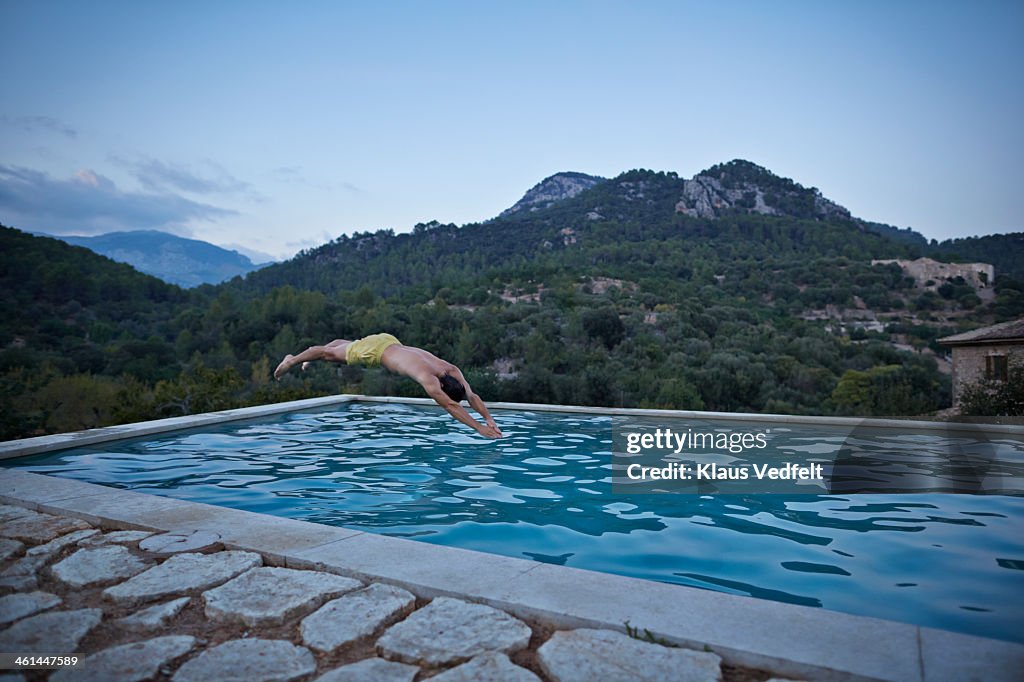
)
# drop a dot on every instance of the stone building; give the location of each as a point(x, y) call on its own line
point(985, 353)
point(931, 273)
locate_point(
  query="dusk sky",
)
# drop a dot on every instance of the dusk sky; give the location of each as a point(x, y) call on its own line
point(279, 126)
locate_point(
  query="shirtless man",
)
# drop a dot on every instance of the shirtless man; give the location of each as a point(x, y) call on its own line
point(442, 380)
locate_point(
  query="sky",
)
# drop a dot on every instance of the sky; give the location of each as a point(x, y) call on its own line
point(275, 127)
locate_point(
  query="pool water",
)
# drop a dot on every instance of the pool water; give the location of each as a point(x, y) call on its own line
point(544, 492)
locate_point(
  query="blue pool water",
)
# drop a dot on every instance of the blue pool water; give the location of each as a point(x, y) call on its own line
point(544, 492)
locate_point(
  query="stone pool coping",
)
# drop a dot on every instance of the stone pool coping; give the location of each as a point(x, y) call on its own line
point(789, 640)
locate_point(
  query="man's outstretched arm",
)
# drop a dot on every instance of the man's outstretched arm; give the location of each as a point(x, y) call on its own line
point(459, 413)
point(477, 403)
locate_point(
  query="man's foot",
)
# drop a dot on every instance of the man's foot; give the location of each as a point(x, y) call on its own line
point(283, 368)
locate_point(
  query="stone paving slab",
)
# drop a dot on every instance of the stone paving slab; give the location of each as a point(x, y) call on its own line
point(269, 596)
point(35, 527)
point(493, 667)
point(17, 606)
point(27, 565)
point(451, 631)
point(99, 566)
point(9, 548)
point(10, 511)
point(248, 660)
point(166, 544)
point(129, 662)
point(155, 616)
point(586, 655)
point(182, 573)
point(57, 544)
point(353, 616)
point(120, 537)
point(371, 670)
point(57, 632)
point(275, 537)
point(18, 583)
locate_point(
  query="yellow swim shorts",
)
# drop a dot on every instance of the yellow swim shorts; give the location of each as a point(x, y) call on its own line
point(367, 350)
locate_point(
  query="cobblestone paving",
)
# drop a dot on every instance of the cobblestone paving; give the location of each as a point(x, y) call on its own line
point(69, 587)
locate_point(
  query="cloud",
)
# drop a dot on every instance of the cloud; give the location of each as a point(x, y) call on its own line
point(310, 242)
point(294, 174)
point(91, 203)
point(288, 174)
point(257, 257)
point(157, 175)
point(31, 124)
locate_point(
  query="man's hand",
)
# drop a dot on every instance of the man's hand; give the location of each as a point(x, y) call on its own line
point(492, 425)
point(490, 431)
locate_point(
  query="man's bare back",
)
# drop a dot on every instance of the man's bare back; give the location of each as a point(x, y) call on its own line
point(422, 366)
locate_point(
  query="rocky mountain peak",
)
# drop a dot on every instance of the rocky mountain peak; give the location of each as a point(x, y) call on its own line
point(550, 190)
point(745, 186)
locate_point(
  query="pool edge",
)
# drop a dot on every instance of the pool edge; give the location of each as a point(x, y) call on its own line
point(787, 639)
point(73, 439)
point(60, 441)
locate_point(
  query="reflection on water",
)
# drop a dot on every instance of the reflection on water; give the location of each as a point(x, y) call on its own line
point(544, 493)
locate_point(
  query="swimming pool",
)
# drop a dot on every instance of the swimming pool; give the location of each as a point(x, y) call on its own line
point(545, 492)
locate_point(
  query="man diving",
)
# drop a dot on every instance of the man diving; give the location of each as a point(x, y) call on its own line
point(442, 380)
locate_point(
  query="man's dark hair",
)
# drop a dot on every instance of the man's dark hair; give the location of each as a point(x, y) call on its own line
point(453, 388)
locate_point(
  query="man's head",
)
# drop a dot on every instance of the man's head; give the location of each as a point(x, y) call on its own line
point(453, 388)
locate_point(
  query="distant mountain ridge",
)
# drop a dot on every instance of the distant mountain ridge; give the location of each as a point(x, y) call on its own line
point(181, 261)
point(554, 214)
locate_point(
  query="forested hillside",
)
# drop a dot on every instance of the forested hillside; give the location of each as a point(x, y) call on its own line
point(744, 292)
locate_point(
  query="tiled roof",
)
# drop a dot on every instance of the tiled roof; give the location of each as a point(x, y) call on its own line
point(1014, 329)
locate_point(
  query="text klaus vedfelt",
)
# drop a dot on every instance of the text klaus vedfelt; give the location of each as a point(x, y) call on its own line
point(677, 441)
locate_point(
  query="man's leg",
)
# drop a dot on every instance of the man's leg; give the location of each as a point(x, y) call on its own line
point(339, 346)
point(331, 352)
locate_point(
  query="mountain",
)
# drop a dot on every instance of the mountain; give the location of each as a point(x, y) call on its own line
point(730, 188)
point(185, 262)
point(571, 223)
point(550, 190)
point(744, 186)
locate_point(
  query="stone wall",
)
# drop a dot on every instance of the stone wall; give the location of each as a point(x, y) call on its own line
point(969, 363)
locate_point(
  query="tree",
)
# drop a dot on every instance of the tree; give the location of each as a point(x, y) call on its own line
point(604, 325)
point(888, 390)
